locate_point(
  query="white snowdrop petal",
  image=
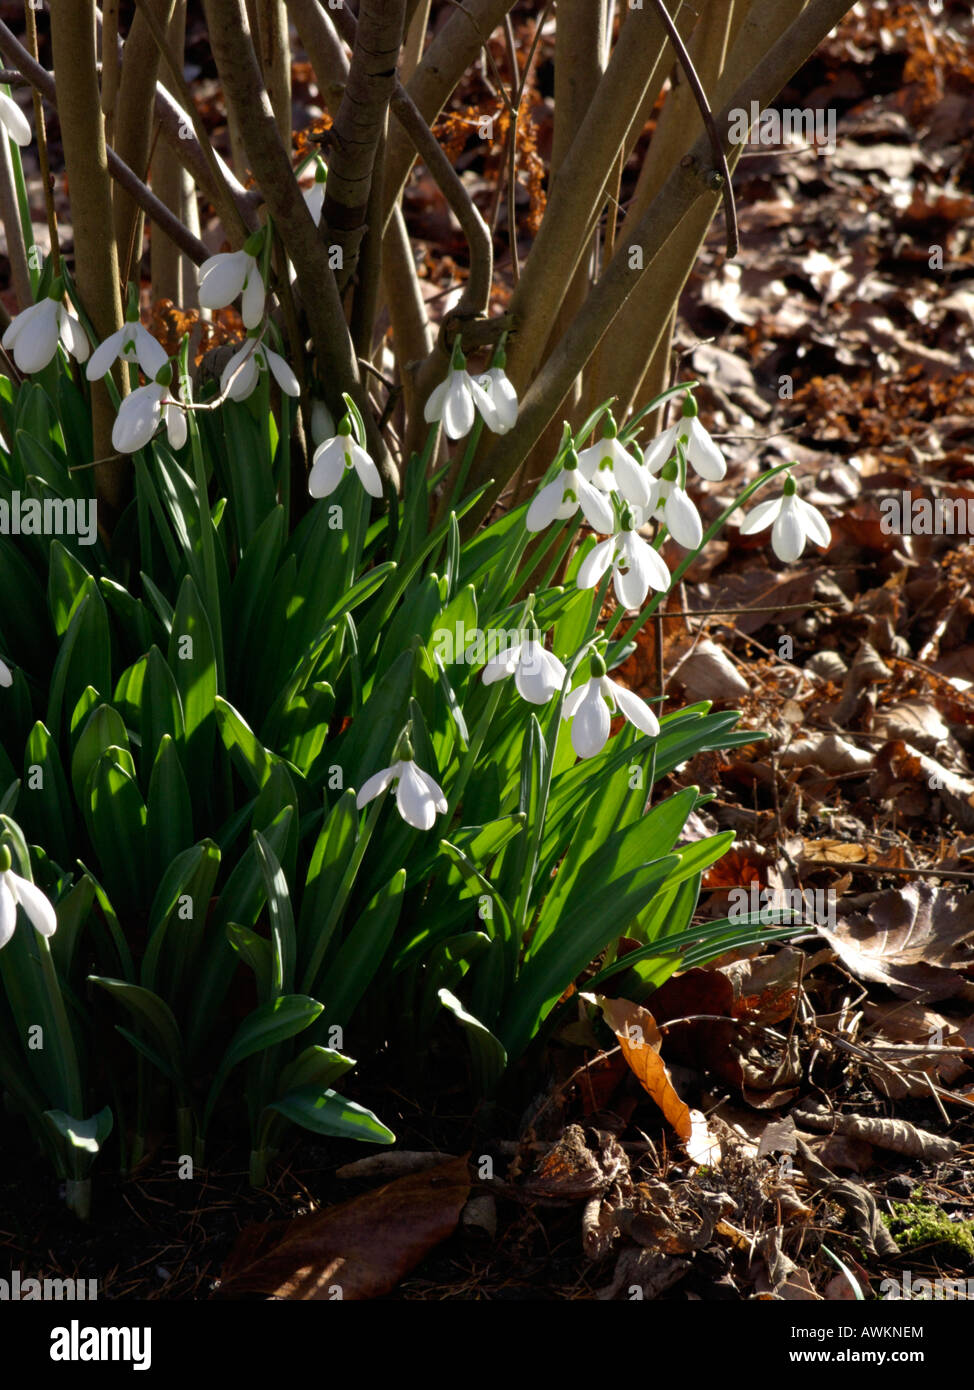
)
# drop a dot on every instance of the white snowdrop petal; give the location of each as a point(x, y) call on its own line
point(591, 724)
point(633, 480)
point(660, 451)
point(703, 454)
point(635, 710)
point(433, 409)
point(8, 912)
point(367, 471)
point(816, 527)
point(376, 783)
point(788, 533)
point(416, 805)
point(39, 911)
point(595, 509)
point(761, 516)
point(545, 505)
point(327, 468)
point(682, 519)
point(283, 373)
point(458, 407)
point(14, 121)
point(105, 354)
point(596, 562)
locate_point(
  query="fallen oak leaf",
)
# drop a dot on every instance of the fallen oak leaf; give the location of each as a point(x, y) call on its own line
point(362, 1247)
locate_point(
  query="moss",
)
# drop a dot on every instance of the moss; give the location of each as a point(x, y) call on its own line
point(916, 1223)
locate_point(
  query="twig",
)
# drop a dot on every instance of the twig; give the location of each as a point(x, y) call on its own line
point(42, 156)
point(700, 96)
point(180, 85)
point(40, 78)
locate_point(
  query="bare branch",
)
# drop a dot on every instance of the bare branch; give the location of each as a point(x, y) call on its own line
point(700, 96)
point(358, 127)
point(692, 178)
point(237, 64)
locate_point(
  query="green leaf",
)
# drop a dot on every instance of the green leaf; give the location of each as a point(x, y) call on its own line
point(486, 1050)
point(267, 1026)
point(362, 953)
point(154, 1015)
point(103, 729)
point(169, 809)
point(324, 1112)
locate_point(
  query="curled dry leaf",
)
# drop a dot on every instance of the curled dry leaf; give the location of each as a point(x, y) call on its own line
point(827, 752)
point(362, 1247)
point(639, 1039)
point(707, 673)
point(911, 940)
point(898, 1136)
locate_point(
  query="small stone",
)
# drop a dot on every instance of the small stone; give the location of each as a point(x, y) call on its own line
point(899, 1186)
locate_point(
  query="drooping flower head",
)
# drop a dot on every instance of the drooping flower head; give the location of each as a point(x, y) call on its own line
point(33, 335)
point(612, 468)
point(538, 674)
point(333, 456)
point(224, 276)
point(14, 121)
point(499, 404)
point(314, 197)
point(418, 796)
point(562, 497)
point(671, 504)
point(793, 521)
point(458, 397)
point(590, 707)
point(636, 567)
point(20, 892)
point(702, 453)
point(242, 373)
point(131, 343)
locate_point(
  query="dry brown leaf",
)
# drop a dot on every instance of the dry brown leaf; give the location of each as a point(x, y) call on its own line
point(828, 753)
point(707, 673)
point(898, 1136)
point(357, 1250)
point(639, 1039)
point(909, 940)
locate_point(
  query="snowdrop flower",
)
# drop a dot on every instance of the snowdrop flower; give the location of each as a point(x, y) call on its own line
point(562, 497)
point(15, 890)
point(14, 121)
point(418, 797)
point(538, 674)
point(6, 675)
point(33, 335)
point(703, 456)
point(138, 418)
point(177, 426)
point(132, 343)
point(611, 467)
point(636, 568)
point(499, 404)
point(795, 521)
point(590, 708)
point(230, 273)
point(672, 505)
point(455, 402)
point(335, 455)
point(242, 372)
point(314, 197)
